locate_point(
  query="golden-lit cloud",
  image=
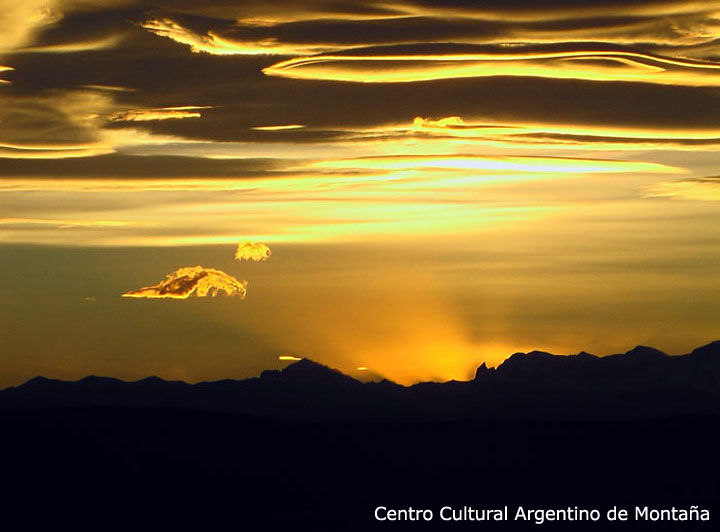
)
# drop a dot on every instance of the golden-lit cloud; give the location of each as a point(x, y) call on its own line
point(4, 69)
point(56, 124)
point(456, 126)
point(289, 358)
point(338, 200)
point(513, 134)
point(161, 113)
point(260, 13)
point(50, 152)
point(552, 11)
point(216, 44)
point(73, 47)
point(73, 123)
point(110, 88)
point(593, 65)
point(191, 281)
point(699, 189)
point(313, 26)
point(279, 128)
point(549, 165)
point(19, 20)
point(63, 224)
point(253, 251)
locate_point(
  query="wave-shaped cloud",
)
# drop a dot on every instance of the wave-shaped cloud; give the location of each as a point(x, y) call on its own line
point(311, 28)
point(526, 91)
point(196, 281)
point(254, 251)
point(421, 63)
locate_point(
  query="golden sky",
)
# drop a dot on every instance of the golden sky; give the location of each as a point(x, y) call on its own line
point(413, 187)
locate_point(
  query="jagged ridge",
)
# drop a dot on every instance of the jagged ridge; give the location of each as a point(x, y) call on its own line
point(643, 382)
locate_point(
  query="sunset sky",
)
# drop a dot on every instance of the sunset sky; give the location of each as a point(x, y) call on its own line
point(409, 186)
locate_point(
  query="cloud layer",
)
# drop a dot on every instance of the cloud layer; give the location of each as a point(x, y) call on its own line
point(326, 120)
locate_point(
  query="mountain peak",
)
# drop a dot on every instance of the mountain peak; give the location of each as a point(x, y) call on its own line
point(584, 355)
point(96, 380)
point(523, 359)
point(711, 349)
point(306, 371)
point(483, 371)
point(39, 381)
point(152, 380)
point(645, 352)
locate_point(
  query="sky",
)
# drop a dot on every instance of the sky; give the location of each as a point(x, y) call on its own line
point(194, 189)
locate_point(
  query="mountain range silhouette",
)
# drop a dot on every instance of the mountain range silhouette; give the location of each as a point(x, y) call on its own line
point(310, 448)
point(642, 383)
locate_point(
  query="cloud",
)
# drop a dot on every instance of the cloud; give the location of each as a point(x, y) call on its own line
point(278, 128)
point(699, 189)
point(90, 127)
point(426, 63)
point(61, 223)
point(495, 165)
point(19, 20)
point(24, 21)
point(162, 113)
point(120, 170)
point(317, 27)
point(53, 124)
point(194, 281)
point(214, 43)
point(252, 251)
point(72, 123)
point(72, 47)
point(551, 10)
point(586, 136)
point(4, 69)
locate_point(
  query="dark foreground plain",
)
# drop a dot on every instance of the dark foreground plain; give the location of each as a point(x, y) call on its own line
point(155, 469)
point(308, 448)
